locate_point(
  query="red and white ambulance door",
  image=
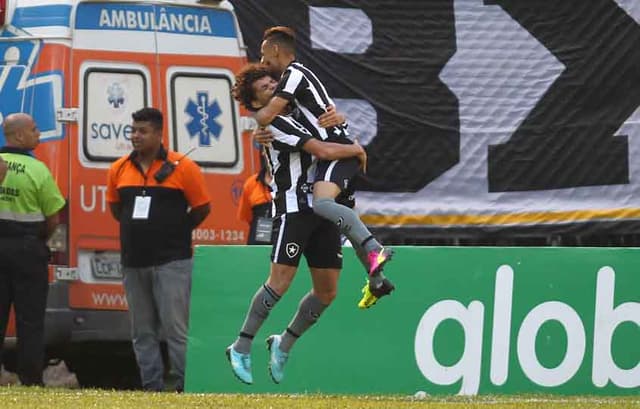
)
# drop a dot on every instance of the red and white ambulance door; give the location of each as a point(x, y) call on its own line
point(202, 117)
point(181, 58)
point(116, 73)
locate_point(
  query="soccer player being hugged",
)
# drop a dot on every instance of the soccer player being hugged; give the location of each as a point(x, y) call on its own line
point(297, 230)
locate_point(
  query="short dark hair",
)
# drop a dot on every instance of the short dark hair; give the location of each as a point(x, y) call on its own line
point(243, 90)
point(281, 35)
point(149, 114)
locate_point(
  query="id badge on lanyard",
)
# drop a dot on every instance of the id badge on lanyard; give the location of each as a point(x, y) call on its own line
point(141, 208)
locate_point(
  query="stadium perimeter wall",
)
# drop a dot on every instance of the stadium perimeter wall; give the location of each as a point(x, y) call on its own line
point(462, 321)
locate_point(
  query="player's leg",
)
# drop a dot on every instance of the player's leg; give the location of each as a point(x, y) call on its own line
point(263, 301)
point(333, 177)
point(324, 257)
point(285, 256)
point(312, 305)
point(310, 308)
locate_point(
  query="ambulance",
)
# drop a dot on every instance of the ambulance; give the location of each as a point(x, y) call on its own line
point(80, 68)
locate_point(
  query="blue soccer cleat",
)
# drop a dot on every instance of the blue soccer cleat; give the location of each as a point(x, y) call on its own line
point(240, 365)
point(277, 358)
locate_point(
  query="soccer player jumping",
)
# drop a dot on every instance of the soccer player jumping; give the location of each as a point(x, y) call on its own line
point(301, 88)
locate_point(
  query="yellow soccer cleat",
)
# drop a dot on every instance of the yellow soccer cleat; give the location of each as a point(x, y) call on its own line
point(368, 299)
point(371, 295)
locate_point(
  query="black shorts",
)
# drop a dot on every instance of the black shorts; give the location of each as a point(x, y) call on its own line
point(341, 172)
point(295, 234)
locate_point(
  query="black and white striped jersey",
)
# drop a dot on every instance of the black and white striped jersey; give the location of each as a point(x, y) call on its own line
point(292, 168)
point(300, 86)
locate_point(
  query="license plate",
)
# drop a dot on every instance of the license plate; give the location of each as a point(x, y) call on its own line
point(106, 268)
point(66, 273)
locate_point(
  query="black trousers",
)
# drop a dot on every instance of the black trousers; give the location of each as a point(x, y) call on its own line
point(24, 283)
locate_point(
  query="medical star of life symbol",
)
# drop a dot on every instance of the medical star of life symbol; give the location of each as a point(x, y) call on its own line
point(203, 118)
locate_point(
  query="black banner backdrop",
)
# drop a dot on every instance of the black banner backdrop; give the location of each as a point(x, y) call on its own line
point(398, 75)
point(568, 139)
point(557, 136)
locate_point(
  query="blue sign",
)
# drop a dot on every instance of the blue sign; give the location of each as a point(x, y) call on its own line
point(42, 16)
point(22, 91)
point(150, 17)
point(203, 118)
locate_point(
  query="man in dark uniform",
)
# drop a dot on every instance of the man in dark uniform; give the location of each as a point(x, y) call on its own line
point(29, 204)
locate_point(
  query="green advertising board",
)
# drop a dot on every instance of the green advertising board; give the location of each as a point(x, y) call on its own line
point(462, 321)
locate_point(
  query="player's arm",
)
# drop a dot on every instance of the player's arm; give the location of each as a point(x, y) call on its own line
point(331, 118)
point(267, 113)
point(291, 135)
point(263, 136)
point(288, 86)
point(335, 151)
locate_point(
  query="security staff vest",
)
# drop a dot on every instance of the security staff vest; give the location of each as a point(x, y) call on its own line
point(164, 234)
point(28, 195)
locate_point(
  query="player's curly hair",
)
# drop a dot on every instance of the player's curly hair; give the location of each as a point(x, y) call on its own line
point(242, 90)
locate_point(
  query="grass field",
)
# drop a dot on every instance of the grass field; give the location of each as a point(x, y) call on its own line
point(14, 397)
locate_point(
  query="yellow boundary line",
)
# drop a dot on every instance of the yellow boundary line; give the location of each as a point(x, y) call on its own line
point(502, 218)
